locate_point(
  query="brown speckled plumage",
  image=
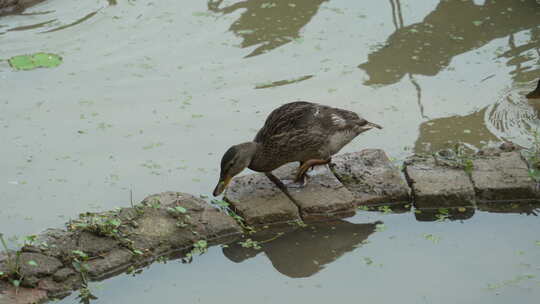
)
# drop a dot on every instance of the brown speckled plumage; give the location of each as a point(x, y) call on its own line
point(300, 131)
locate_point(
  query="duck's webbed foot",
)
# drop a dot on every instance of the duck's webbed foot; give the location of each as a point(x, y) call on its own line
point(305, 166)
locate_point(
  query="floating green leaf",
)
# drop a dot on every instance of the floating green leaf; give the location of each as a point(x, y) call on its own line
point(22, 62)
point(80, 253)
point(220, 203)
point(47, 60)
point(477, 23)
point(37, 60)
point(201, 244)
point(435, 239)
point(249, 243)
point(32, 263)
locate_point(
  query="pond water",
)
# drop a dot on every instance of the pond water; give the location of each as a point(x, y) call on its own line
point(151, 93)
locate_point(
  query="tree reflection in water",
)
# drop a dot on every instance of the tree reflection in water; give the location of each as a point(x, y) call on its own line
point(268, 24)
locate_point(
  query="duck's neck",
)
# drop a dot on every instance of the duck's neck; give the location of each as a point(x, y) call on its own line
point(249, 150)
point(258, 160)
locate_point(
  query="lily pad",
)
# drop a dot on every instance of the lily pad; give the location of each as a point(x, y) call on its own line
point(22, 62)
point(47, 60)
point(37, 60)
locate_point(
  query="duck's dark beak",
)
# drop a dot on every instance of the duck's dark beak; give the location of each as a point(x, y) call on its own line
point(222, 184)
point(373, 125)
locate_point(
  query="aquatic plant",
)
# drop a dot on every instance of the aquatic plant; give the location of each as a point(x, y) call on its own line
point(363, 208)
point(532, 155)
point(249, 243)
point(106, 225)
point(431, 237)
point(385, 209)
point(199, 247)
point(33, 61)
point(456, 157)
point(78, 261)
point(99, 224)
point(180, 213)
point(13, 264)
point(226, 207)
point(443, 214)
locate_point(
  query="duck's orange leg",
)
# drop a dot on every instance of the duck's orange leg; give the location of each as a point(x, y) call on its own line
point(309, 164)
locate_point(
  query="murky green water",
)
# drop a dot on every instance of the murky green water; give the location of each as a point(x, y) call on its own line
point(150, 94)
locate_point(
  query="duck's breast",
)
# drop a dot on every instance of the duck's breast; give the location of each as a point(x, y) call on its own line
point(338, 140)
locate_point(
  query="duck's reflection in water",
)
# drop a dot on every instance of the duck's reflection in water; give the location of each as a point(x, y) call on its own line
point(515, 118)
point(301, 252)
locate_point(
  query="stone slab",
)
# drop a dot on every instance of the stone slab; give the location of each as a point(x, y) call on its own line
point(21, 295)
point(54, 242)
point(255, 198)
point(63, 274)
point(503, 178)
point(94, 245)
point(58, 290)
point(323, 197)
point(371, 177)
point(36, 265)
point(111, 263)
point(160, 230)
point(435, 186)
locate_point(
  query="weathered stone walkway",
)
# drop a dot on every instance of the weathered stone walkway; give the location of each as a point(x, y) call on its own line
point(368, 177)
point(172, 224)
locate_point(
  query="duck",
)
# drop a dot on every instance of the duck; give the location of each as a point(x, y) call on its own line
point(300, 131)
point(535, 93)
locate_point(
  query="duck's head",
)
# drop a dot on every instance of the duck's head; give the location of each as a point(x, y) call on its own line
point(236, 159)
point(536, 92)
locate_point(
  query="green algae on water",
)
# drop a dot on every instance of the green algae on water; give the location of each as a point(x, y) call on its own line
point(33, 61)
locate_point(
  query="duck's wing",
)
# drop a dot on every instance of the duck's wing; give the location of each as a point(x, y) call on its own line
point(288, 118)
point(334, 120)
